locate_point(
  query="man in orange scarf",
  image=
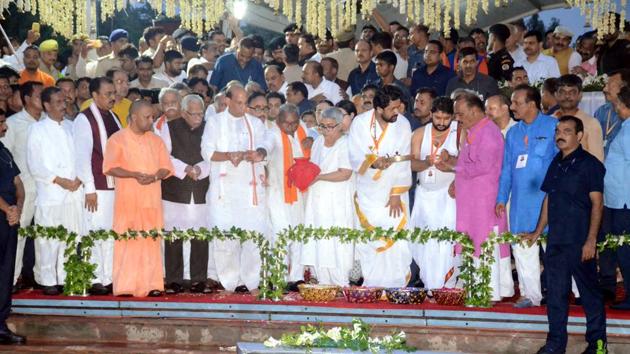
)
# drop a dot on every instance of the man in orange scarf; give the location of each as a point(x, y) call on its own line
point(287, 141)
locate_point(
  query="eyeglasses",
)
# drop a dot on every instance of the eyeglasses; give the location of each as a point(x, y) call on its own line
point(195, 114)
point(260, 109)
point(327, 127)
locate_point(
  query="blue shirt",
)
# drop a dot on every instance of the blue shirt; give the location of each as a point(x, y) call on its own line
point(617, 162)
point(415, 60)
point(437, 80)
point(305, 106)
point(568, 183)
point(610, 122)
point(357, 78)
point(227, 69)
point(522, 185)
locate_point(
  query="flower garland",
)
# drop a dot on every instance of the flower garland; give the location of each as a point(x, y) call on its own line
point(594, 83)
point(356, 338)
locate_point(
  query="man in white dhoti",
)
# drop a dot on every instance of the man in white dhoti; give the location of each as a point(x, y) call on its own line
point(381, 196)
point(435, 208)
point(15, 140)
point(51, 159)
point(234, 144)
point(329, 201)
point(287, 141)
point(91, 129)
point(184, 197)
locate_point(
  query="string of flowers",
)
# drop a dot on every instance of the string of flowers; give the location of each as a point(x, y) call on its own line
point(357, 337)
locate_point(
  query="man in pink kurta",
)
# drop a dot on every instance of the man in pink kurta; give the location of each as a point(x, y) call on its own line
point(139, 160)
point(477, 185)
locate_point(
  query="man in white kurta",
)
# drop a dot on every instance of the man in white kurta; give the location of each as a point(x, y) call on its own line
point(287, 141)
point(233, 143)
point(91, 129)
point(15, 140)
point(51, 159)
point(381, 196)
point(435, 208)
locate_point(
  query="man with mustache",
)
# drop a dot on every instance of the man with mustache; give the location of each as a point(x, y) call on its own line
point(435, 149)
point(382, 186)
point(91, 129)
point(528, 151)
point(572, 208)
point(169, 105)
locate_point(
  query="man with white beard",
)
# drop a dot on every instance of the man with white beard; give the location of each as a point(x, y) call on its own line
point(91, 129)
point(382, 186)
point(233, 143)
point(287, 140)
point(432, 146)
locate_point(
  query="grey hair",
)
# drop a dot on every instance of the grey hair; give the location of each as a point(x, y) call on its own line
point(287, 109)
point(457, 92)
point(165, 91)
point(332, 113)
point(191, 98)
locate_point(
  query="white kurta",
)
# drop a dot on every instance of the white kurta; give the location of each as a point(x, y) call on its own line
point(15, 140)
point(103, 217)
point(282, 214)
point(329, 89)
point(51, 154)
point(186, 216)
point(542, 68)
point(236, 196)
point(434, 209)
point(329, 204)
point(382, 263)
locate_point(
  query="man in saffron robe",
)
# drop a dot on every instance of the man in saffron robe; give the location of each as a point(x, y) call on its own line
point(477, 185)
point(138, 159)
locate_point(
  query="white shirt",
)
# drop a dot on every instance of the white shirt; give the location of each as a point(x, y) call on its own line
point(400, 71)
point(283, 89)
point(15, 140)
point(519, 55)
point(171, 80)
point(155, 83)
point(543, 67)
point(51, 154)
point(574, 60)
point(331, 91)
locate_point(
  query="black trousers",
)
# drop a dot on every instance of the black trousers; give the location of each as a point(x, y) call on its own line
point(562, 262)
point(174, 261)
point(615, 222)
point(8, 246)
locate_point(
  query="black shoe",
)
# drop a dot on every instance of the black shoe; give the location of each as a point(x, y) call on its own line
point(200, 287)
point(545, 350)
point(294, 286)
point(8, 338)
point(623, 306)
point(214, 285)
point(357, 282)
point(51, 291)
point(241, 289)
point(609, 295)
point(577, 301)
point(593, 347)
point(110, 288)
point(98, 289)
point(154, 293)
point(174, 288)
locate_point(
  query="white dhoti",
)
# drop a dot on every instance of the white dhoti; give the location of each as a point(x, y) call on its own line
point(528, 270)
point(28, 212)
point(501, 281)
point(49, 253)
point(103, 250)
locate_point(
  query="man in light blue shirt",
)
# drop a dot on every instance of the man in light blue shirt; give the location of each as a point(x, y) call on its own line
point(529, 149)
point(606, 114)
point(616, 219)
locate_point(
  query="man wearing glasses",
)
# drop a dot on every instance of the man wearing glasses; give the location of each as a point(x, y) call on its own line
point(257, 107)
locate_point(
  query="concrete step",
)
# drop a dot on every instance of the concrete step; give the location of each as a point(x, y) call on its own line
point(38, 346)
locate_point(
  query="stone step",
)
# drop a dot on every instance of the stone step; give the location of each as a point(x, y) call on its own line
point(38, 346)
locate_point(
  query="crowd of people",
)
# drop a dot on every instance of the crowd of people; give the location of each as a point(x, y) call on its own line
point(407, 131)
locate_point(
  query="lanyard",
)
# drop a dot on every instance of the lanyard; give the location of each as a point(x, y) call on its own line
point(609, 128)
point(375, 140)
point(435, 147)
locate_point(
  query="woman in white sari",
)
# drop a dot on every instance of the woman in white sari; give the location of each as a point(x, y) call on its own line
point(329, 201)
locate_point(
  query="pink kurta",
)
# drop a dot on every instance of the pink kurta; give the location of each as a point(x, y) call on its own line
point(477, 183)
point(137, 263)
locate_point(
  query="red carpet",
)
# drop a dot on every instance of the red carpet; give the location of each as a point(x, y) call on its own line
point(294, 299)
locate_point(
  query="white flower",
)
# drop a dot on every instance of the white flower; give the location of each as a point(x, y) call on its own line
point(272, 342)
point(334, 334)
point(387, 339)
point(356, 328)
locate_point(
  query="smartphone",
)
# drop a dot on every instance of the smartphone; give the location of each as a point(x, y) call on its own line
point(35, 27)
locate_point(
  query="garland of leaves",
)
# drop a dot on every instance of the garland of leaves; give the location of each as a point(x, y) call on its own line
point(275, 269)
point(79, 270)
point(356, 338)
